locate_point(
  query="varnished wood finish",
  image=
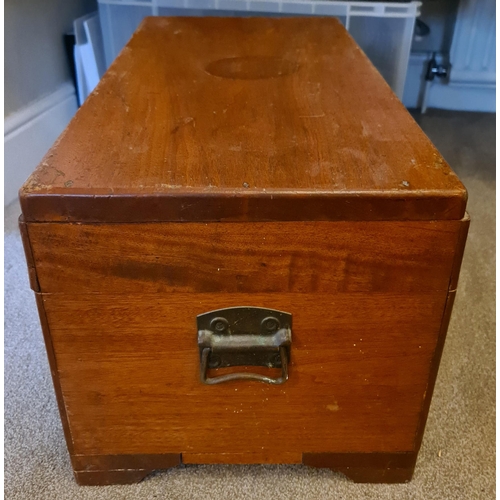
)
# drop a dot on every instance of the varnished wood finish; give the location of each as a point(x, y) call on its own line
point(91, 463)
point(356, 380)
point(457, 261)
point(367, 467)
point(101, 470)
point(242, 119)
point(108, 477)
point(54, 371)
point(260, 162)
point(28, 252)
point(317, 257)
point(263, 457)
point(459, 252)
point(359, 367)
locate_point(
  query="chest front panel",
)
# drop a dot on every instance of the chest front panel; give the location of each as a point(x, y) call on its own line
point(367, 300)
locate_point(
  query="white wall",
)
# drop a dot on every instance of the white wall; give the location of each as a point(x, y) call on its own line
point(35, 61)
point(39, 96)
point(472, 81)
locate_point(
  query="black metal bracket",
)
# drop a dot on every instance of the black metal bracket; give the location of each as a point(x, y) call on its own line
point(436, 70)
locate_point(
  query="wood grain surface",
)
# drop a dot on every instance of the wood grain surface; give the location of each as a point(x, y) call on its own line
point(335, 207)
point(128, 367)
point(367, 467)
point(367, 300)
point(94, 463)
point(455, 273)
point(242, 119)
point(101, 470)
point(316, 257)
point(108, 477)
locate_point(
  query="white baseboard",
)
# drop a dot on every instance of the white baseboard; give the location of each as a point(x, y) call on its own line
point(29, 133)
point(455, 95)
point(462, 97)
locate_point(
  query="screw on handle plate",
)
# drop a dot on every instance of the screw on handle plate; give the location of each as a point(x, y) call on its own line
point(244, 336)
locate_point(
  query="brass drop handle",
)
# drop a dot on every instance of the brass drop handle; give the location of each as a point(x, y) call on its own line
point(244, 336)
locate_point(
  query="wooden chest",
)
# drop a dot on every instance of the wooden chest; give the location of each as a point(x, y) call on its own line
point(262, 169)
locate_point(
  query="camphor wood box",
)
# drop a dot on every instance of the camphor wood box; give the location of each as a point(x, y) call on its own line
point(243, 162)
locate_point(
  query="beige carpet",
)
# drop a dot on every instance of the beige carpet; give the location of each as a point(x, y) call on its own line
point(457, 460)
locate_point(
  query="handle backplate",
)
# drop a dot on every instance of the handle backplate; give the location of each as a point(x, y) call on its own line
point(244, 336)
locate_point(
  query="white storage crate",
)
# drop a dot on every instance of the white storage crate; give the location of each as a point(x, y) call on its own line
point(384, 30)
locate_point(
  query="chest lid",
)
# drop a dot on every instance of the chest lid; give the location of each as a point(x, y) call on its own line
point(209, 119)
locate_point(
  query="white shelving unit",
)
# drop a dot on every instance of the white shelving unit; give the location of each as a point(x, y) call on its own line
point(384, 30)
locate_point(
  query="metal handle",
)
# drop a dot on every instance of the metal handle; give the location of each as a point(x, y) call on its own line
point(244, 336)
point(244, 375)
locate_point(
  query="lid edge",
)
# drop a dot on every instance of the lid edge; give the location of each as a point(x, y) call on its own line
point(244, 206)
